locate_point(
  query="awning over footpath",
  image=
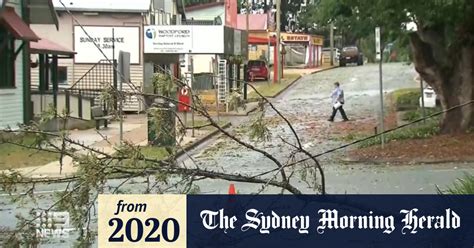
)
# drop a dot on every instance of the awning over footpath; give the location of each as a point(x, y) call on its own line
point(45, 46)
point(253, 40)
point(16, 26)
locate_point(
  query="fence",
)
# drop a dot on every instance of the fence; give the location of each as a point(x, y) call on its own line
point(203, 81)
point(76, 105)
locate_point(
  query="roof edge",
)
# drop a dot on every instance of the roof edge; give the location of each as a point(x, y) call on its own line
point(101, 10)
point(203, 6)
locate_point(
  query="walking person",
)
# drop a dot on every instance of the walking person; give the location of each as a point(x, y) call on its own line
point(338, 102)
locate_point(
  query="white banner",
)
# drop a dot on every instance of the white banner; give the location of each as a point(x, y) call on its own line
point(181, 39)
point(127, 39)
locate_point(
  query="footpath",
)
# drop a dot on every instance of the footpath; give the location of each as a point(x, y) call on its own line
point(106, 140)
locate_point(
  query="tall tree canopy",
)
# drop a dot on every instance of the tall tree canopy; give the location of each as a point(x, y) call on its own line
point(442, 44)
point(289, 8)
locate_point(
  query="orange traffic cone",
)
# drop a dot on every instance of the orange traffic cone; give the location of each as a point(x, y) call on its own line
point(232, 189)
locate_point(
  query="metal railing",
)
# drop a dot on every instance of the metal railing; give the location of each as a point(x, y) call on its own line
point(93, 83)
point(99, 77)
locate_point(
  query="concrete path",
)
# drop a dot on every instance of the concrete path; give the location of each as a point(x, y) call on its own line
point(307, 71)
point(105, 140)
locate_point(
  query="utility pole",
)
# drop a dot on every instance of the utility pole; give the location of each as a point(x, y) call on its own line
point(277, 45)
point(120, 103)
point(247, 15)
point(382, 112)
point(331, 37)
point(268, 52)
point(192, 97)
point(379, 56)
point(216, 80)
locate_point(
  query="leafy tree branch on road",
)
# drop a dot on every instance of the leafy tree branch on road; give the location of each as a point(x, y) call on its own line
point(97, 169)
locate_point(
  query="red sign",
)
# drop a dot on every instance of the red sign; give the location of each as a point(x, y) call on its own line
point(184, 98)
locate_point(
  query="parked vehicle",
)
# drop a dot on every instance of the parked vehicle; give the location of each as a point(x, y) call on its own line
point(257, 69)
point(351, 54)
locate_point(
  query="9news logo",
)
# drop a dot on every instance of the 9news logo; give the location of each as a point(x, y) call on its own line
point(52, 224)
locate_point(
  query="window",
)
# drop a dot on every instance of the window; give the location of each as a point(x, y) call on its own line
point(349, 49)
point(7, 60)
point(62, 75)
point(256, 63)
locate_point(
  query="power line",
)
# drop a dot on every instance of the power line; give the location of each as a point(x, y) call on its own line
point(369, 137)
point(134, 88)
point(376, 135)
point(382, 133)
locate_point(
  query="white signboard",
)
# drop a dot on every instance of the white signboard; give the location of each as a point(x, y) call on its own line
point(168, 39)
point(377, 43)
point(181, 39)
point(126, 39)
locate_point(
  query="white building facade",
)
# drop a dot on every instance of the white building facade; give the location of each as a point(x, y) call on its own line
point(15, 106)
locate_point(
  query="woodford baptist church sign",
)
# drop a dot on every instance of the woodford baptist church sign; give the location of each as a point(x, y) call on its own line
point(194, 39)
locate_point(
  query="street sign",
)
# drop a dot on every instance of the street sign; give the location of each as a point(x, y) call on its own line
point(184, 99)
point(184, 91)
point(377, 44)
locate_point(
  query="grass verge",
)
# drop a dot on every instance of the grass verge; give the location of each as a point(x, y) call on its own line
point(406, 99)
point(418, 131)
point(269, 89)
point(413, 115)
point(14, 156)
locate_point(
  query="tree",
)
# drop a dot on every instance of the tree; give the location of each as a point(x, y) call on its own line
point(289, 9)
point(101, 172)
point(442, 45)
point(197, 2)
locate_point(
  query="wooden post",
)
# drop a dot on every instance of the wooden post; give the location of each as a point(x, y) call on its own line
point(54, 79)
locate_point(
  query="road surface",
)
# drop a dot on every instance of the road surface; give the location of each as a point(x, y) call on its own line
point(308, 106)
